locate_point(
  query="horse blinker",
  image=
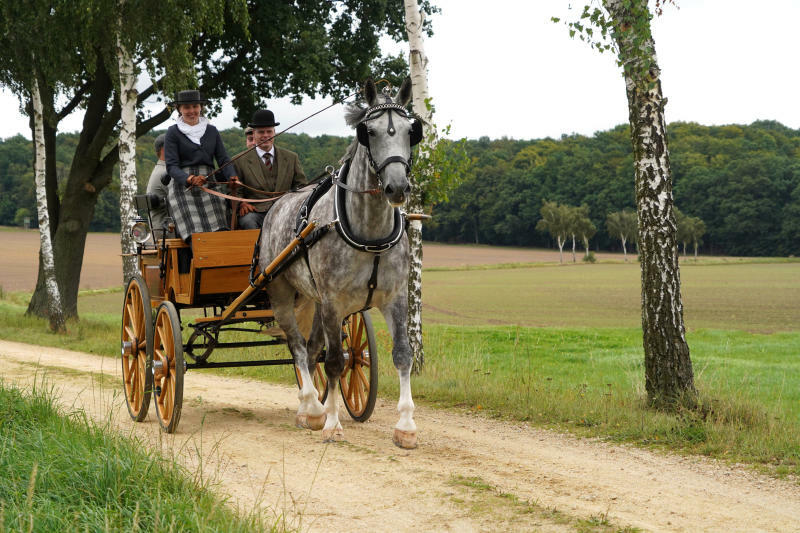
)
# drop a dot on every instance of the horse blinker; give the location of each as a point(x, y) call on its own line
point(416, 132)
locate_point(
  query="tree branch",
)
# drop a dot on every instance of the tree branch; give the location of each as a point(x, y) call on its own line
point(72, 104)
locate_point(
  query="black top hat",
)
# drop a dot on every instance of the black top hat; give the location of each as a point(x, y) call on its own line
point(190, 96)
point(263, 118)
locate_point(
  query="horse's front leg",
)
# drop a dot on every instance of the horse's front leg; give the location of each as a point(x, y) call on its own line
point(310, 412)
point(334, 365)
point(396, 315)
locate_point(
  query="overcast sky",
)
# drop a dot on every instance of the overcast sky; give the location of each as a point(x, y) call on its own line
point(502, 68)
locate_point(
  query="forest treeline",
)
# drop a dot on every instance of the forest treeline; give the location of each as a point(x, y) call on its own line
point(742, 181)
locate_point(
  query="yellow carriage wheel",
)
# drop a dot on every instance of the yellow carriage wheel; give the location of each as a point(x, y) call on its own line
point(168, 367)
point(136, 348)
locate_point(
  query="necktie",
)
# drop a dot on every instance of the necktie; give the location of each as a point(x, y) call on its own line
point(268, 160)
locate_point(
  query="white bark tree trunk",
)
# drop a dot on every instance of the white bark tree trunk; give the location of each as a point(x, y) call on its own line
point(55, 311)
point(668, 367)
point(418, 62)
point(561, 240)
point(573, 248)
point(127, 158)
point(624, 249)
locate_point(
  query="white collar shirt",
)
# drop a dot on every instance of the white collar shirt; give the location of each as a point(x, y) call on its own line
point(261, 153)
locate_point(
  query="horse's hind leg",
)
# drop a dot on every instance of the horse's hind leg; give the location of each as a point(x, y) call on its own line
point(334, 365)
point(396, 315)
point(310, 413)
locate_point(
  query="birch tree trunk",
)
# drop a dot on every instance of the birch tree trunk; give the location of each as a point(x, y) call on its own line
point(418, 62)
point(127, 158)
point(668, 367)
point(55, 312)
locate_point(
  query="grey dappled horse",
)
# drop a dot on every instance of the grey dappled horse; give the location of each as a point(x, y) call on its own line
point(341, 272)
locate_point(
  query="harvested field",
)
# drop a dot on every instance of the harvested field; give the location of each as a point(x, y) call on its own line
point(102, 264)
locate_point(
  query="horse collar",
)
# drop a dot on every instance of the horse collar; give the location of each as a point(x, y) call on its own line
point(344, 230)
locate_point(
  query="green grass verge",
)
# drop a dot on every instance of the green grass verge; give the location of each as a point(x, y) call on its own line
point(62, 472)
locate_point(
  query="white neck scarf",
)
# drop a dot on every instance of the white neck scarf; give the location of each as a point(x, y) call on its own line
point(193, 132)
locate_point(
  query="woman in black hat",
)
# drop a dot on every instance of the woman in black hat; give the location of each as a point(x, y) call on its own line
point(190, 148)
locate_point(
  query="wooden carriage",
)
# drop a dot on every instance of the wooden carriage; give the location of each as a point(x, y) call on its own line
point(215, 274)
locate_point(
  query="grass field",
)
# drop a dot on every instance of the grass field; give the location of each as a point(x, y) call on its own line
point(560, 346)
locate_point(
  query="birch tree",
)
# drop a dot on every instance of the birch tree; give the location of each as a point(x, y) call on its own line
point(418, 63)
point(128, 96)
point(584, 226)
point(557, 221)
point(623, 225)
point(55, 310)
point(625, 26)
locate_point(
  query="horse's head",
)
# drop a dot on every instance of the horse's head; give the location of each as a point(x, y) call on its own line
point(388, 134)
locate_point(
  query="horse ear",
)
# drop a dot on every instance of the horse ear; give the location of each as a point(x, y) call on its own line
point(362, 134)
point(416, 132)
point(404, 94)
point(370, 92)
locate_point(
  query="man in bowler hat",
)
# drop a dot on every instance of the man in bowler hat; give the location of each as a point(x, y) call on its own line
point(268, 168)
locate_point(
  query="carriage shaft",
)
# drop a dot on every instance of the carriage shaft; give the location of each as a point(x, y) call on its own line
point(242, 298)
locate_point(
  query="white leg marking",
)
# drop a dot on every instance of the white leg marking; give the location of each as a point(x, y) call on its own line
point(405, 432)
point(333, 431)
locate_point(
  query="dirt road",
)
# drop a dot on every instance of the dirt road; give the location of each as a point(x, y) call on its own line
point(468, 474)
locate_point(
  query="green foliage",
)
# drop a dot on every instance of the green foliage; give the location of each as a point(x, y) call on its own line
point(557, 220)
point(623, 28)
point(440, 169)
point(623, 225)
point(589, 258)
point(743, 182)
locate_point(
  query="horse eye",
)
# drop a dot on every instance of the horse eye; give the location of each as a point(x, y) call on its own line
point(371, 132)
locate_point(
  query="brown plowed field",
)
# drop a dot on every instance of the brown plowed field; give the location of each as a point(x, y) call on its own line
point(102, 264)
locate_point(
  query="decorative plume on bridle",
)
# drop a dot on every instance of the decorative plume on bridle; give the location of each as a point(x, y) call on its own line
point(356, 112)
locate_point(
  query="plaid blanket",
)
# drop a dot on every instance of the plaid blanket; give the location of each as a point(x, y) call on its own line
point(194, 210)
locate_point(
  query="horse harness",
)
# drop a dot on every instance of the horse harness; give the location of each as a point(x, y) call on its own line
point(341, 222)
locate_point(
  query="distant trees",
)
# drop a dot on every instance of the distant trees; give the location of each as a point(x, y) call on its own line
point(623, 225)
point(503, 190)
point(557, 221)
point(583, 227)
point(564, 221)
point(690, 230)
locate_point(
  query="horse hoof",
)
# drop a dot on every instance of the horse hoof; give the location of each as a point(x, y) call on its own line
point(333, 435)
point(301, 421)
point(405, 439)
point(315, 423)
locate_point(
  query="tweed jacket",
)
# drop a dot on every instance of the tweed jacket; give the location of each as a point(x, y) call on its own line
point(287, 174)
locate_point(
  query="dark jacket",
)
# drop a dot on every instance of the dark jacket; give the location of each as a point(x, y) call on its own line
point(180, 152)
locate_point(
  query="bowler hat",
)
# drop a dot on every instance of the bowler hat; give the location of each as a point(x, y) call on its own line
point(263, 118)
point(190, 96)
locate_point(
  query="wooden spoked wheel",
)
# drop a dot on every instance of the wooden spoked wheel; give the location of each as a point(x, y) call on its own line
point(168, 367)
point(136, 348)
point(359, 380)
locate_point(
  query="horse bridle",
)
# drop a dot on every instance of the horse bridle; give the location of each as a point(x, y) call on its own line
point(362, 133)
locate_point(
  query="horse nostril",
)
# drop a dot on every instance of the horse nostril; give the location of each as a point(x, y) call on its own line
point(389, 190)
point(407, 189)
